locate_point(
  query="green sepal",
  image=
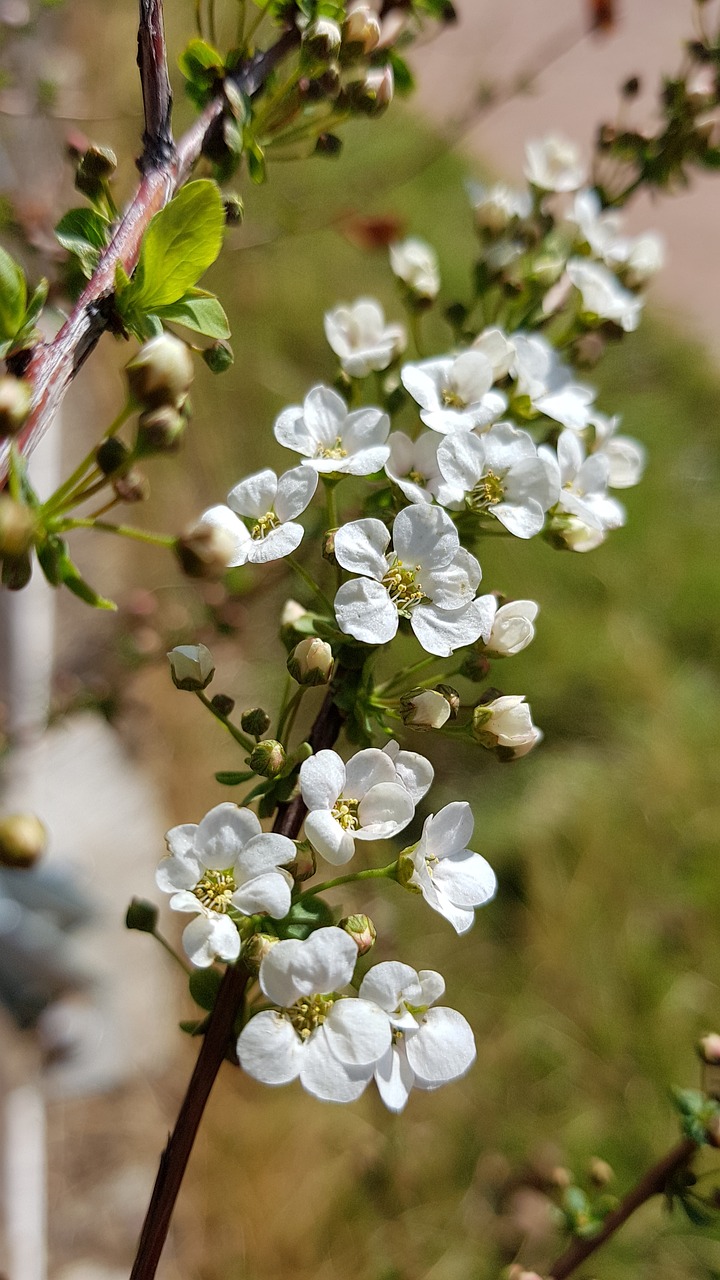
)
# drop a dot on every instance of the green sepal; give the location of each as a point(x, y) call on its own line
point(191, 1027)
point(403, 76)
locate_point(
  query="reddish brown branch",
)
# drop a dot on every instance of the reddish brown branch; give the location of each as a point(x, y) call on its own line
point(653, 1183)
point(158, 146)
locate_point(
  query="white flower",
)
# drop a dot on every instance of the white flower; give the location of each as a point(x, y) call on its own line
point(643, 258)
point(547, 383)
point(498, 349)
point(415, 263)
point(554, 164)
point(361, 800)
point(413, 467)
point(331, 1044)
point(269, 506)
point(495, 207)
point(428, 577)
point(583, 483)
point(221, 864)
point(453, 880)
point(603, 295)
point(425, 709)
point(575, 535)
point(359, 335)
point(500, 474)
point(626, 457)
point(430, 1047)
point(454, 392)
point(512, 628)
point(333, 440)
point(506, 724)
point(600, 229)
point(412, 771)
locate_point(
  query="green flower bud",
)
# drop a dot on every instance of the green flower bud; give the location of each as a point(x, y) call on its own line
point(111, 455)
point(23, 840)
point(362, 931)
point(219, 357)
point(17, 572)
point(223, 704)
point(15, 404)
point(328, 144)
point(192, 667)
point(267, 758)
point(311, 662)
point(160, 430)
point(17, 528)
point(141, 915)
point(95, 168)
point(257, 947)
point(255, 721)
point(234, 209)
point(161, 373)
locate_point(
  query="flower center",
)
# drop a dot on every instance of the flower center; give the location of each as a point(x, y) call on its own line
point(416, 478)
point(346, 813)
point(263, 525)
point(309, 1013)
point(488, 490)
point(452, 399)
point(215, 890)
point(403, 590)
point(331, 451)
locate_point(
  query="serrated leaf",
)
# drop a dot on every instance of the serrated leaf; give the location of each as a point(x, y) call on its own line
point(13, 296)
point(83, 232)
point(199, 311)
point(182, 241)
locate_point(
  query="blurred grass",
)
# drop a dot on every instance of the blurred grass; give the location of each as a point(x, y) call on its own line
point(590, 976)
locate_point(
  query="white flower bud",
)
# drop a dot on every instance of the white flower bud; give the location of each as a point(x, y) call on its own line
point(15, 403)
point(17, 527)
point(205, 550)
point(257, 947)
point(192, 667)
point(512, 628)
point(361, 29)
point(570, 533)
point(373, 94)
point(554, 164)
point(362, 931)
point(645, 258)
point(311, 662)
point(321, 40)
point(425, 709)
point(415, 263)
point(505, 726)
point(709, 1048)
point(22, 840)
point(161, 372)
point(496, 207)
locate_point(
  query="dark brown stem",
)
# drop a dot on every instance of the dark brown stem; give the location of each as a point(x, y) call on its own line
point(653, 1183)
point(53, 365)
point(158, 146)
point(221, 1021)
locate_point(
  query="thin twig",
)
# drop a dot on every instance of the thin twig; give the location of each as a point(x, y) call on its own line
point(158, 145)
point(653, 1183)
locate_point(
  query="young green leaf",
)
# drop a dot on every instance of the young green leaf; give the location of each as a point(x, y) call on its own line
point(182, 241)
point(199, 311)
point(83, 232)
point(13, 296)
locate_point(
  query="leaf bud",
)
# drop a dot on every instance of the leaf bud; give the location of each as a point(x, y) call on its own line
point(132, 487)
point(17, 528)
point(234, 209)
point(223, 704)
point(600, 1172)
point(267, 758)
point(23, 840)
point(305, 865)
point(425, 709)
point(361, 32)
point(257, 947)
point(373, 94)
point(218, 357)
point(362, 931)
point(311, 662)
point(111, 455)
point(192, 667)
point(160, 430)
point(204, 551)
point(161, 373)
point(15, 404)
point(141, 915)
point(320, 42)
point(255, 721)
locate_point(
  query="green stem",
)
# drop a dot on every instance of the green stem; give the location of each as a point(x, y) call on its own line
point(287, 717)
point(405, 674)
point(124, 531)
point(245, 742)
point(310, 582)
point(254, 25)
point(374, 873)
point(414, 317)
point(211, 22)
point(172, 952)
point(57, 498)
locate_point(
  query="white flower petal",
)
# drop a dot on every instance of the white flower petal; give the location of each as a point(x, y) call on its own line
point(387, 983)
point(442, 631)
point(325, 1077)
point(358, 1032)
point(269, 1049)
point(385, 810)
point(295, 491)
point(364, 610)
point(425, 536)
point(442, 1050)
point(466, 879)
point(394, 1078)
point(322, 779)
point(450, 830)
point(360, 547)
point(211, 936)
point(268, 894)
point(255, 495)
point(278, 543)
point(328, 838)
point(365, 770)
point(223, 834)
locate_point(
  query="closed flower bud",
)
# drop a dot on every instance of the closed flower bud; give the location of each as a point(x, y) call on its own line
point(320, 42)
point(305, 865)
point(361, 32)
point(160, 430)
point(141, 915)
point(328, 546)
point(328, 144)
point(505, 726)
point(373, 94)
point(311, 662)
point(475, 666)
point(267, 758)
point(255, 721)
point(234, 209)
point(17, 528)
point(16, 572)
point(111, 455)
point(204, 551)
point(425, 709)
point(451, 696)
point(600, 1172)
point(257, 947)
point(223, 704)
point(192, 667)
point(15, 402)
point(132, 487)
point(415, 263)
point(96, 166)
point(219, 357)
point(362, 931)
point(22, 840)
point(512, 628)
point(161, 373)
point(709, 1049)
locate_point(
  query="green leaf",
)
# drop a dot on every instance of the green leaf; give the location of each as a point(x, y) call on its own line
point(403, 76)
point(37, 301)
point(199, 311)
point(13, 296)
point(204, 985)
point(227, 778)
point(83, 232)
point(182, 241)
point(202, 67)
point(304, 918)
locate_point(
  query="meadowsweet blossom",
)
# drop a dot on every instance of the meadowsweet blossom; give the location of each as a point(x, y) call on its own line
point(412, 771)
point(597, 227)
point(269, 507)
point(500, 474)
point(429, 1046)
point(505, 725)
point(223, 863)
point(455, 392)
point(497, 206)
point(453, 880)
point(554, 164)
point(415, 263)
point(582, 483)
point(547, 384)
point(329, 1043)
point(333, 440)
point(626, 457)
point(512, 628)
point(602, 294)
point(413, 467)
point(359, 335)
point(361, 800)
point(426, 577)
